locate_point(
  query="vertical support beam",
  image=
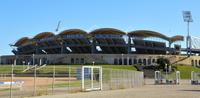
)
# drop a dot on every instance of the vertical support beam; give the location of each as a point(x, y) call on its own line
point(170, 51)
point(92, 78)
point(69, 73)
point(192, 76)
point(53, 82)
point(129, 44)
point(11, 83)
point(62, 49)
point(122, 59)
point(188, 42)
point(93, 50)
point(34, 92)
point(40, 61)
point(128, 60)
point(36, 48)
point(33, 57)
point(177, 77)
point(83, 78)
point(146, 61)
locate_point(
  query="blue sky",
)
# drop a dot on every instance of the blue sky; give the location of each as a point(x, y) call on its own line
point(21, 18)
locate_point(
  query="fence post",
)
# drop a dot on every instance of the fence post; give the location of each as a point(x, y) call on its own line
point(35, 70)
point(110, 78)
point(69, 76)
point(54, 69)
point(11, 81)
point(132, 79)
point(119, 78)
point(128, 78)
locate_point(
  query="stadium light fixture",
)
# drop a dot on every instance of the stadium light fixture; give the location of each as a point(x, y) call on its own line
point(46, 54)
point(44, 51)
point(93, 63)
point(187, 17)
point(69, 49)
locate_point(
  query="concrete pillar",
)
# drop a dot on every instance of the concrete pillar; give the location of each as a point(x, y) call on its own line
point(122, 59)
point(128, 60)
point(146, 61)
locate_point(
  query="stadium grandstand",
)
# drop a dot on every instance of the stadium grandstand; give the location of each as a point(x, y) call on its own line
point(104, 45)
point(104, 40)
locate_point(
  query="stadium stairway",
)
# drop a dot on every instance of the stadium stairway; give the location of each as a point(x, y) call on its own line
point(148, 70)
point(180, 59)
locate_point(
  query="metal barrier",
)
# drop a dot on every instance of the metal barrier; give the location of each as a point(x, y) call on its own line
point(65, 79)
point(167, 78)
point(195, 78)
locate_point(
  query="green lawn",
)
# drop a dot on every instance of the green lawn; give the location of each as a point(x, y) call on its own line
point(6, 69)
point(186, 71)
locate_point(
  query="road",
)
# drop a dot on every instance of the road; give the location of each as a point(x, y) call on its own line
point(184, 90)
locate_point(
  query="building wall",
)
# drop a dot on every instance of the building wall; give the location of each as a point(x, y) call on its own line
point(118, 59)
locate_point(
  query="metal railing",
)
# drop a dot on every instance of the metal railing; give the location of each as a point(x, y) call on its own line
point(61, 80)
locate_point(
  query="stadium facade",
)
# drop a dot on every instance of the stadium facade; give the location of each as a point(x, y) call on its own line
point(102, 46)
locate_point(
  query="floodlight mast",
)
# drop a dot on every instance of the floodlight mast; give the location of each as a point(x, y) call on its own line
point(58, 26)
point(187, 17)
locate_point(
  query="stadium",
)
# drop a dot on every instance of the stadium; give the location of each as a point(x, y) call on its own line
point(100, 46)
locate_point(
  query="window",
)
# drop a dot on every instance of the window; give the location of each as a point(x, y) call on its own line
point(144, 61)
point(196, 63)
point(82, 61)
point(192, 62)
point(120, 61)
point(140, 61)
point(153, 61)
point(130, 61)
point(135, 61)
point(149, 61)
point(199, 62)
point(72, 60)
point(115, 61)
point(77, 61)
point(125, 61)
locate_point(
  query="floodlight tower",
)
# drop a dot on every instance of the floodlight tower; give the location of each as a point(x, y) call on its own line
point(187, 17)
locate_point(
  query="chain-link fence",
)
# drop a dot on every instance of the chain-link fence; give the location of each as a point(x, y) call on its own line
point(29, 81)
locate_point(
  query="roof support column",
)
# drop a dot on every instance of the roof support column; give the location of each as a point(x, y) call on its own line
point(36, 49)
point(93, 46)
point(170, 43)
point(62, 47)
point(129, 44)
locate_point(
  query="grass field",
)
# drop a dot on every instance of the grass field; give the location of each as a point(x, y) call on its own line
point(186, 71)
point(6, 69)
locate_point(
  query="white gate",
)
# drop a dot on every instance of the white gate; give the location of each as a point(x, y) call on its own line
point(91, 78)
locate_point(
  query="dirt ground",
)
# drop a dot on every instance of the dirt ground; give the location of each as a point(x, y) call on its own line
point(184, 90)
point(29, 81)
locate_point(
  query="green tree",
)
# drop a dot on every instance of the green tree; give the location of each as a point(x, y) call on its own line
point(162, 62)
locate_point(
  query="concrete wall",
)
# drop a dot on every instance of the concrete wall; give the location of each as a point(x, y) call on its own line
point(119, 59)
